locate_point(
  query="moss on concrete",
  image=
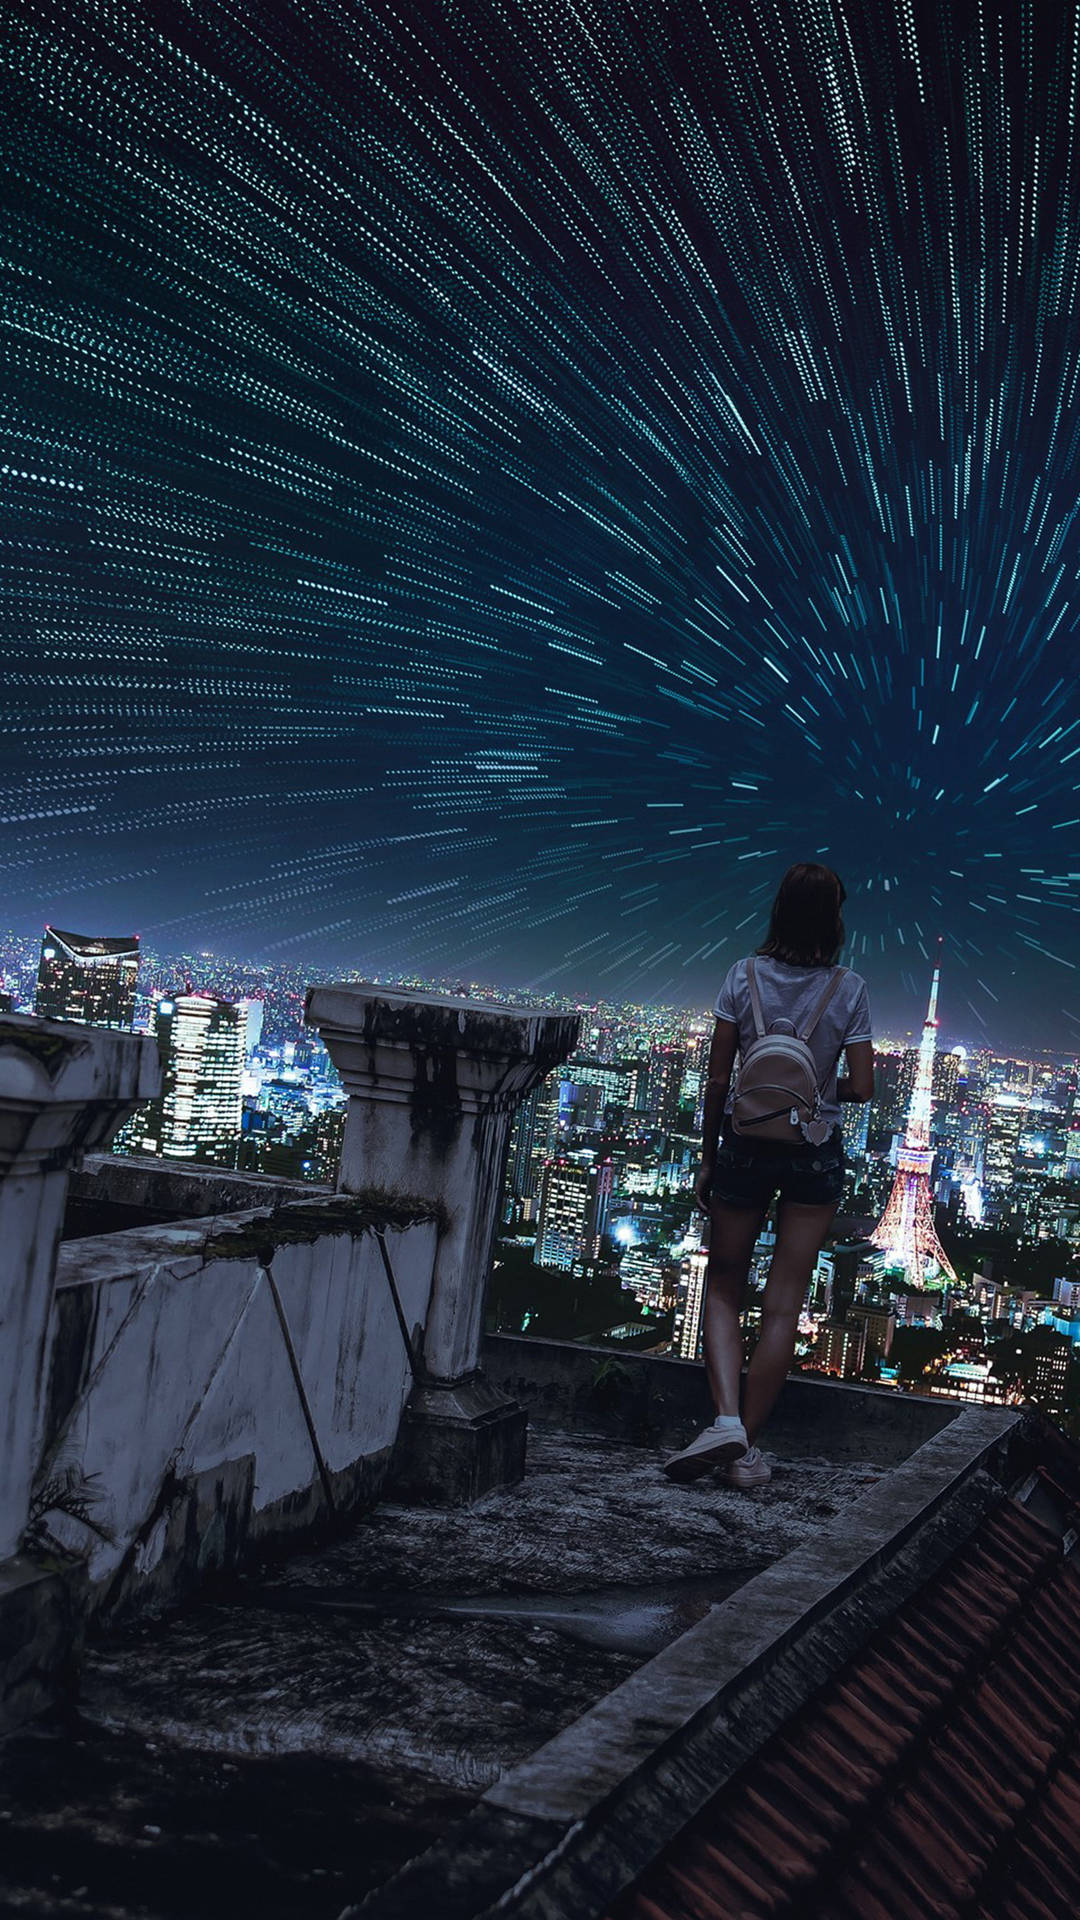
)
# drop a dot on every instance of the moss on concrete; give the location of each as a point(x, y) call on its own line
point(347, 1213)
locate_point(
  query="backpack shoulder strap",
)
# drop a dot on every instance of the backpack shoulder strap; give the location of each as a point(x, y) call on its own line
point(833, 982)
point(755, 998)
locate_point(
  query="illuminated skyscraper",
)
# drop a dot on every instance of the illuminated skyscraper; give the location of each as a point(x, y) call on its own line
point(1047, 1370)
point(1072, 1129)
point(201, 1040)
point(564, 1201)
point(533, 1139)
point(855, 1123)
point(87, 978)
point(894, 1075)
point(946, 1080)
point(611, 1084)
point(574, 1204)
point(1004, 1123)
point(667, 1070)
point(521, 1170)
point(254, 1011)
point(906, 1232)
point(686, 1333)
point(841, 1349)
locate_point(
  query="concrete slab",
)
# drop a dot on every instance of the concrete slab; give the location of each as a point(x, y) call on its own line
point(567, 1779)
point(605, 1794)
point(365, 1696)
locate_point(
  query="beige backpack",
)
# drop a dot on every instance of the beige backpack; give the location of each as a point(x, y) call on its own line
point(777, 1096)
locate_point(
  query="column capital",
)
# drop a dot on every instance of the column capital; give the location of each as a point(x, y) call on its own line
point(435, 1053)
point(64, 1089)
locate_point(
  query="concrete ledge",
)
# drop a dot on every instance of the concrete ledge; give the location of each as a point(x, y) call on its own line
point(653, 1401)
point(598, 1802)
point(111, 1192)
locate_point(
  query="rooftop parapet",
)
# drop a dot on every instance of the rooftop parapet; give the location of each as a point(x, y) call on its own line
point(64, 1089)
point(433, 1085)
point(239, 1376)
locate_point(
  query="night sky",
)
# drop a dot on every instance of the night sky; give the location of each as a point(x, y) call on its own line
point(485, 486)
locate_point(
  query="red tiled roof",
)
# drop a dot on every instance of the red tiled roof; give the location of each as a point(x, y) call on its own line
point(935, 1777)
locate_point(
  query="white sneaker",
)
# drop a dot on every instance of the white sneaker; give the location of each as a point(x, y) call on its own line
point(750, 1471)
point(724, 1441)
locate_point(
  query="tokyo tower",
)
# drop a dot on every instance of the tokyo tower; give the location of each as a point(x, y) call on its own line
point(906, 1232)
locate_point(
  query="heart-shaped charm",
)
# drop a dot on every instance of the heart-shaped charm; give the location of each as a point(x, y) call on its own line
point(816, 1131)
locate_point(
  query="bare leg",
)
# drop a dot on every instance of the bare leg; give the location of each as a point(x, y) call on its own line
point(732, 1233)
point(800, 1233)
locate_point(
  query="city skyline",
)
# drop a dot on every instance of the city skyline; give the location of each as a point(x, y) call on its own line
point(957, 1233)
point(176, 970)
point(485, 496)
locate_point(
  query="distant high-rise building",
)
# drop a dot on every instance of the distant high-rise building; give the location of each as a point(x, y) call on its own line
point(564, 1201)
point(946, 1081)
point(201, 1041)
point(1047, 1370)
point(546, 1117)
point(254, 1010)
point(611, 1084)
point(87, 978)
point(1015, 1076)
point(534, 1139)
point(855, 1126)
point(7, 1003)
point(879, 1325)
point(574, 1204)
point(637, 1073)
point(581, 1104)
point(855, 1266)
point(841, 1349)
point(664, 1091)
point(1070, 1106)
point(894, 1079)
point(698, 1050)
point(1004, 1124)
point(686, 1335)
point(644, 1273)
point(521, 1167)
point(329, 1135)
point(988, 1296)
point(1067, 1294)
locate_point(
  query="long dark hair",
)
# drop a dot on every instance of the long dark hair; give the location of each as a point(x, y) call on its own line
point(806, 926)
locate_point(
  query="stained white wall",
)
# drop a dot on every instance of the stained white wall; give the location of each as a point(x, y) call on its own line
point(187, 1367)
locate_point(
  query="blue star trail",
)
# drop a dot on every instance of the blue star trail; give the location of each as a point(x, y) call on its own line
point(486, 486)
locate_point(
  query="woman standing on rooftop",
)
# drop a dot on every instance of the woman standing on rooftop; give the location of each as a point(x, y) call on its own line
point(790, 988)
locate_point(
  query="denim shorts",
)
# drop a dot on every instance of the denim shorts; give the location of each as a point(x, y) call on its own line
point(748, 1173)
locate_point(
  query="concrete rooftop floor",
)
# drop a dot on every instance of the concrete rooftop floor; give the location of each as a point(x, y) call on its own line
point(288, 1742)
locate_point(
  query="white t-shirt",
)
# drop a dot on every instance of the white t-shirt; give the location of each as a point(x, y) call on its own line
point(792, 993)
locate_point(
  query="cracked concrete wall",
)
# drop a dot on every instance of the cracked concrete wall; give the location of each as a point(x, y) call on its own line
point(174, 1394)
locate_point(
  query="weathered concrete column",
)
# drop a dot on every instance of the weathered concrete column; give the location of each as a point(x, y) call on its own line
point(64, 1090)
point(433, 1086)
